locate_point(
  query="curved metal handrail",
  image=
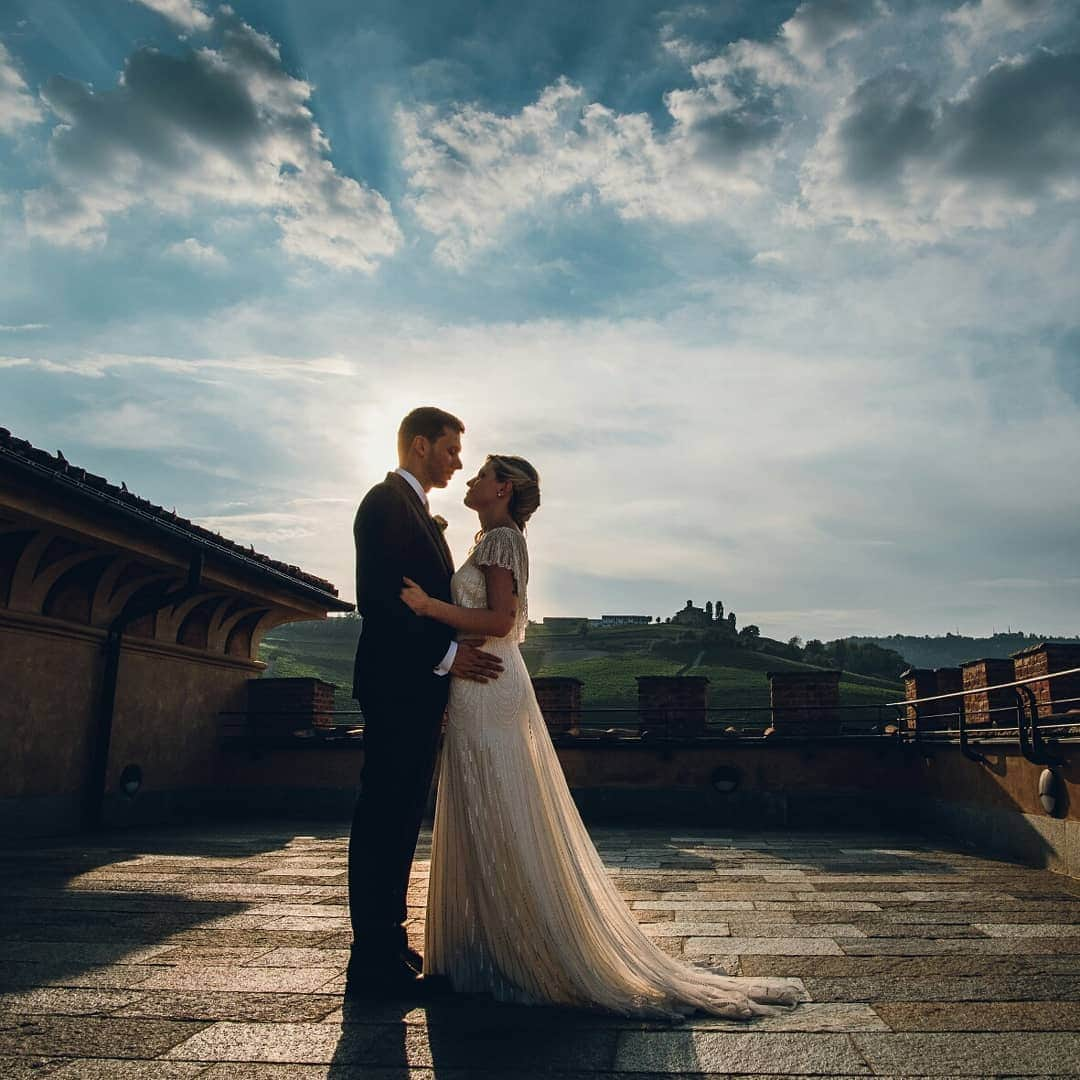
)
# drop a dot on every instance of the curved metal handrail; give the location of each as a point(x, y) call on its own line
point(1029, 736)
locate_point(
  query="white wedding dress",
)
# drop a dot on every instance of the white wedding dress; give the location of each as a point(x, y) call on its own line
point(519, 904)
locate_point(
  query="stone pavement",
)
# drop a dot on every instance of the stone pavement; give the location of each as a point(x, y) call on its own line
point(218, 952)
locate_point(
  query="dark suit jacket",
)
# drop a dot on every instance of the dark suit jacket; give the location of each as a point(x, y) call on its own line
point(396, 537)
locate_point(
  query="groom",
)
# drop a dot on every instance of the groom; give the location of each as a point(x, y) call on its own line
point(401, 681)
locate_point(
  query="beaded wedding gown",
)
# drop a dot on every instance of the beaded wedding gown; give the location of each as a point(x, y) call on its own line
point(519, 904)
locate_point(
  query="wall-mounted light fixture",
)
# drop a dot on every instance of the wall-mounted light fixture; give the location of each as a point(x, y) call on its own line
point(1048, 790)
point(130, 781)
point(725, 778)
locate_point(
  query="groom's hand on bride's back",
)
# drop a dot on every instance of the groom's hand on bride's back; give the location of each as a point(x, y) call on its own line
point(475, 664)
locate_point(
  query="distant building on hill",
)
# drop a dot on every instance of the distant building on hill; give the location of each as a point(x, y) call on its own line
point(625, 620)
point(691, 616)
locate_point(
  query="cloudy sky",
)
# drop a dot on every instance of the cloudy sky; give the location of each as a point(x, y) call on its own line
point(780, 298)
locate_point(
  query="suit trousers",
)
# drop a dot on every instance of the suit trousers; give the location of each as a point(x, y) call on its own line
point(401, 740)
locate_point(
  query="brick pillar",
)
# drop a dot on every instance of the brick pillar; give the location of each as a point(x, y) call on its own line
point(308, 703)
point(950, 680)
point(804, 701)
point(982, 708)
point(918, 683)
point(672, 705)
point(560, 701)
point(1056, 695)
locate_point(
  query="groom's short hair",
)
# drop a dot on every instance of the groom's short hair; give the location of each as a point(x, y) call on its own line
point(427, 421)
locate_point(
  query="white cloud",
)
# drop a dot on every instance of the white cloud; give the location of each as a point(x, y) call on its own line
point(194, 251)
point(267, 366)
point(979, 23)
point(18, 107)
point(767, 62)
point(819, 25)
point(226, 126)
point(277, 529)
point(187, 14)
point(23, 328)
point(131, 425)
point(896, 158)
point(472, 170)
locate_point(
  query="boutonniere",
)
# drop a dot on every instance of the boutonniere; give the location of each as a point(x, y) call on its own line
point(440, 521)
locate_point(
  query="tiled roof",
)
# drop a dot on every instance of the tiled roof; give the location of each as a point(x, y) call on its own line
point(20, 449)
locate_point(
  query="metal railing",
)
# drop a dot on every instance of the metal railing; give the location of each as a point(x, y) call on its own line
point(1031, 735)
point(901, 722)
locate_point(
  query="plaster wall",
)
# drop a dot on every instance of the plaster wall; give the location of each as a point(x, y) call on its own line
point(165, 721)
point(49, 673)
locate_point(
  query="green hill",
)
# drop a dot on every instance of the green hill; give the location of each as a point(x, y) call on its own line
point(319, 650)
point(954, 649)
point(607, 661)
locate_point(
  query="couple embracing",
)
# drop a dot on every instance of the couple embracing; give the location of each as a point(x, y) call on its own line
point(519, 904)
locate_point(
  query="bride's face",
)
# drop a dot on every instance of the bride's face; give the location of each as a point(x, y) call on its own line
point(484, 489)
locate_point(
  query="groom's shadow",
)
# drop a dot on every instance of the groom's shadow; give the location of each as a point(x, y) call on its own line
point(374, 1035)
point(464, 1032)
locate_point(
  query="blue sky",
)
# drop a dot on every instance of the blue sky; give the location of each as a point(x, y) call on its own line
point(780, 298)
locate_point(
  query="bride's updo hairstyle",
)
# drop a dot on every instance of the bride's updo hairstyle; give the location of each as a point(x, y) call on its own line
point(524, 482)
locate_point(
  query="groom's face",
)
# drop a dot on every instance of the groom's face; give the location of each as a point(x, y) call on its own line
point(444, 458)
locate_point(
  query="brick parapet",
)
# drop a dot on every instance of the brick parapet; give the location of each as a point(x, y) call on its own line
point(559, 698)
point(1053, 695)
point(804, 700)
point(673, 705)
point(282, 705)
point(995, 707)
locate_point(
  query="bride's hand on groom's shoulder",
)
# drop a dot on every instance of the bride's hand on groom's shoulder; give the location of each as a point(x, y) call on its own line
point(475, 664)
point(415, 597)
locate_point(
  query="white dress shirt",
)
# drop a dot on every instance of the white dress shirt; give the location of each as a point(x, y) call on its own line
point(448, 660)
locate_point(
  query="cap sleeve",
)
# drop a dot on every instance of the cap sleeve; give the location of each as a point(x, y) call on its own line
point(504, 547)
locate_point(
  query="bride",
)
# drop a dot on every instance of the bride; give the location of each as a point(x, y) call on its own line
point(519, 904)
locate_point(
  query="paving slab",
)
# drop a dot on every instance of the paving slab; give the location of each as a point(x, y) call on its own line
point(1027, 930)
point(239, 979)
point(66, 1001)
point(92, 1036)
point(874, 988)
point(120, 1069)
point(991, 1054)
point(732, 1053)
point(1029, 946)
point(915, 967)
point(26, 976)
point(981, 1016)
point(24, 1068)
point(233, 1005)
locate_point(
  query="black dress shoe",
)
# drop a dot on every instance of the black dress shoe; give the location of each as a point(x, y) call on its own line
point(385, 980)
